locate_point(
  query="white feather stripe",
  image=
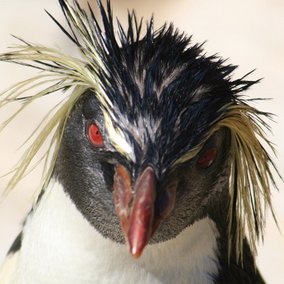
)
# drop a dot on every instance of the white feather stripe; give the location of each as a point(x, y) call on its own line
point(60, 246)
point(118, 139)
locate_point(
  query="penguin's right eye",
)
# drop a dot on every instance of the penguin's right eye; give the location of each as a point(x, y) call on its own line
point(207, 158)
point(95, 135)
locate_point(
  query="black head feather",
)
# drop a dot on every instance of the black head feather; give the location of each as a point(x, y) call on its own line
point(160, 76)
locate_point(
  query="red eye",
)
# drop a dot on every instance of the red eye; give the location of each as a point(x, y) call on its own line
point(208, 157)
point(95, 135)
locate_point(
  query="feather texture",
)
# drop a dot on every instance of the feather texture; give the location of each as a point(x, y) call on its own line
point(252, 168)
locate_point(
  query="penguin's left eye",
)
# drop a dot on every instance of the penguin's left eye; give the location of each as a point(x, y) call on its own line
point(207, 158)
point(95, 135)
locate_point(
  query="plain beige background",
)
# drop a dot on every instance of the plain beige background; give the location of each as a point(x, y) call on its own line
point(248, 32)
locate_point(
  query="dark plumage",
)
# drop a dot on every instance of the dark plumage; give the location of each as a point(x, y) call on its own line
point(153, 141)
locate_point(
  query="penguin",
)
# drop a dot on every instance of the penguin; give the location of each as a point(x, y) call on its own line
point(156, 165)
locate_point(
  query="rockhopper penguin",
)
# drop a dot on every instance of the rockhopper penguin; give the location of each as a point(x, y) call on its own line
point(156, 167)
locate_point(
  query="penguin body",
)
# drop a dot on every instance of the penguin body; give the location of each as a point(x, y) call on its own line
point(59, 246)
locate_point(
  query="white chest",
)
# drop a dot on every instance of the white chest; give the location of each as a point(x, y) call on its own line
point(60, 246)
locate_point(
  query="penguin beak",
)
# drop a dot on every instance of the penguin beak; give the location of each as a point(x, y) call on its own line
point(141, 207)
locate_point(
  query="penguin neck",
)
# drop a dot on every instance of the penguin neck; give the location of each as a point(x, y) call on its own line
point(67, 249)
point(244, 269)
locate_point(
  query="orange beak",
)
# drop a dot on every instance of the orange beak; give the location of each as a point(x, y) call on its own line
point(140, 209)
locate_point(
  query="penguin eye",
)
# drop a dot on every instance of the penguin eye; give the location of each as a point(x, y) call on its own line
point(207, 158)
point(95, 135)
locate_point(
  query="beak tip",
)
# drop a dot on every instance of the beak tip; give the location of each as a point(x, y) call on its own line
point(135, 253)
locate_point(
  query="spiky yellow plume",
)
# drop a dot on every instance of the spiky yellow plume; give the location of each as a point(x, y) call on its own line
point(59, 72)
